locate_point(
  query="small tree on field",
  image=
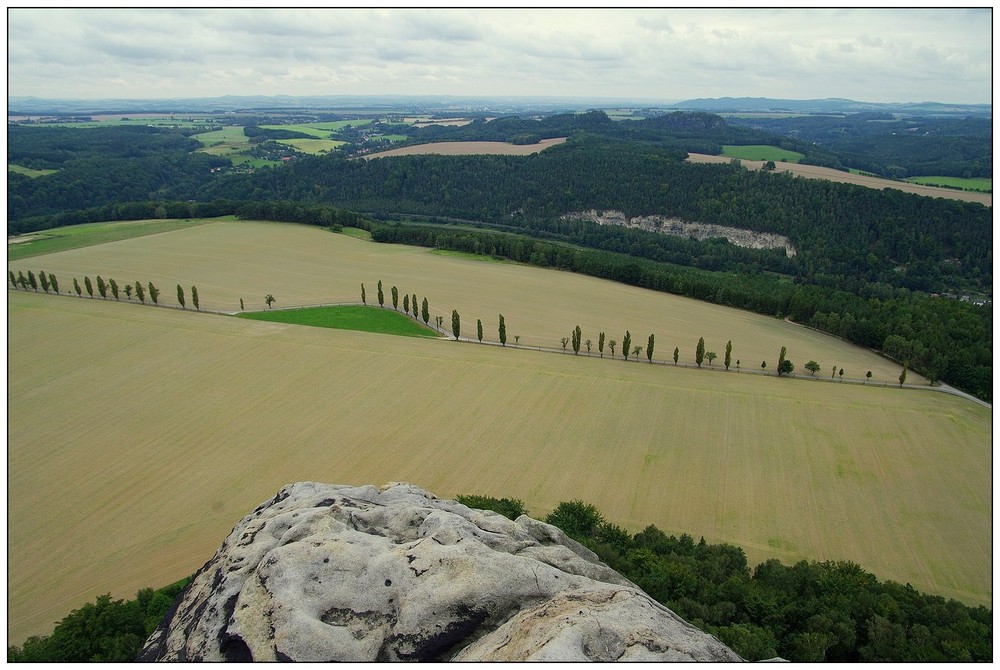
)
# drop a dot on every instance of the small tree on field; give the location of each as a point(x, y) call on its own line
point(902, 376)
point(636, 352)
point(786, 367)
point(194, 297)
point(737, 365)
point(241, 304)
point(503, 332)
point(54, 282)
point(842, 374)
point(626, 344)
point(781, 361)
point(577, 336)
point(23, 281)
point(456, 324)
point(364, 300)
point(180, 296)
point(438, 320)
point(600, 343)
point(44, 281)
point(711, 356)
point(381, 296)
point(611, 345)
point(395, 298)
point(763, 365)
point(424, 312)
point(269, 300)
point(729, 354)
point(32, 280)
point(406, 303)
point(813, 367)
point(13, 278)
point(565, 341)
point(413, 303)
point(479, 329)
point(868, 376)
point(677, 354)
point(517, 338)
point(128, 291)
point(589, 344)
point(649, 348)
point(699, 352)
point(89, 285)
point(154, 294)
point(102, 287)
point(76, 287)
point(140, 292)
point(115, 289)
point(834, 373)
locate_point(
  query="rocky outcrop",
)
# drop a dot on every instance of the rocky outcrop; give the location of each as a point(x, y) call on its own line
point(324, 573)
point(667, 225)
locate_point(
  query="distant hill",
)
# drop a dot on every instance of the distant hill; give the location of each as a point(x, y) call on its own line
point(829, 106)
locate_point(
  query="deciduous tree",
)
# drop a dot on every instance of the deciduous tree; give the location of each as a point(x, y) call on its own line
point(589, 344)
point(786, 367)
point(87, 283)
point(44, 281)
point(626, 344)
point(128, 291)
point(677, 354)
point(269, 299)
point(406, 303)
point(611, 345)
point(102, 288)
point(364, 299)
point(479, 329)
point(649, 348)
point(636, 352)
point(841, 374)
point(381, 296)
point(241, 304)
point(699, 352)
point(813, 367)
point(32, 281)
point(600, 343)
point(413, 303)
point(113, 285)
point(194, 298)
point(729, 354)
point(54, 283)
point(140, 292)
point(154, 294)
point(902, 376)
point(456, 324)
point(711, 356)
point(23, 281)
point(781, 361)
point(424, 312)
point(76, 287)
point(13, 278)
point(180, 296)
point(565, 341)
point(868, 375)
point(577, 336)
point(395, 298)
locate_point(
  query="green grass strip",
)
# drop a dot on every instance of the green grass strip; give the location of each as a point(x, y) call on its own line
point(347, 317)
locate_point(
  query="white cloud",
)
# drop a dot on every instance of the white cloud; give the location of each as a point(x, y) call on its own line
point(874, 55)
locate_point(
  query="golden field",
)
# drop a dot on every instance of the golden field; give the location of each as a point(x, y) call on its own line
point(137, 436)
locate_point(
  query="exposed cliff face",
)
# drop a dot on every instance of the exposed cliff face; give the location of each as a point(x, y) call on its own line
point(323, 573)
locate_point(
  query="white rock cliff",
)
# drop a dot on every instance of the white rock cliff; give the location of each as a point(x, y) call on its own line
point(341, 573)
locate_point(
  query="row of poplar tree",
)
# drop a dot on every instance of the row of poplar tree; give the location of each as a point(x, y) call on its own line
point(49, 283)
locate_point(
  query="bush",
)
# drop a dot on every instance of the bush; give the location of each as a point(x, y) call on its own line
point(509, 507)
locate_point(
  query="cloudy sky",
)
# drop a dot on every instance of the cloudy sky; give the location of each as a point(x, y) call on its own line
point(891, 55)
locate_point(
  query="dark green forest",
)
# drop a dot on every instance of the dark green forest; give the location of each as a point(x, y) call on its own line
point(809, 612)
point(883, 269)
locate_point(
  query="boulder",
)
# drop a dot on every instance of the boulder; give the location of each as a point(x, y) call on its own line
point(342, 573)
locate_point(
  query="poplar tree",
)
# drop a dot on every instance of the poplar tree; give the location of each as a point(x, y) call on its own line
point(781, 361)
point(140, 292)
point(413, 303)
point(23, 281)
point(456, 324)
point(425, 313)
point(180, 296)
point(503, 332)
point(44, 280)
point(626, 343)
point(395, 298)
point(649, 348)
point(577, 337)
point(13, 278)
point(600, 343)
point(729, 353)
point(76, 287)
point(902, 376)
point(128, 291)
point(32, 280)
point(699, 352)
point(194, 298)
point(479, 329)
point(54, 282)
point(102, 288)
point(363, 300)
point(406, 303)
point(90, 286)
point(154, 294)
point(114, 287)
point(381, 296)
point(611, 345)
point(677, 354)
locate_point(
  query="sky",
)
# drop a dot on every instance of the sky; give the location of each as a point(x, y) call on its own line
point(870, 55)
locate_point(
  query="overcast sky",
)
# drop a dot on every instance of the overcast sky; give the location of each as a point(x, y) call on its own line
point(894, 55)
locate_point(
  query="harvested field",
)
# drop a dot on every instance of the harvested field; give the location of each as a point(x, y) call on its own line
point(137, 436)
point(814, 172)
point(470, 148)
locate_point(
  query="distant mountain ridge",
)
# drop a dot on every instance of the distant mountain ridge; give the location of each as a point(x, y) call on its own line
point(830, 106)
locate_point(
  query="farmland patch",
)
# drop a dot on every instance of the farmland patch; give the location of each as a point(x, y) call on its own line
point(761, 152)
point(347, 317)
point(469, 148)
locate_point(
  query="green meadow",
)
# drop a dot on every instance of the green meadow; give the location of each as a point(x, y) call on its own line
point(347, 317)
point(761, 152)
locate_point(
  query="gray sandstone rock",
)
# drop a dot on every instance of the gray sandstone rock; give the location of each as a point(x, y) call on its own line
point(324, 573)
